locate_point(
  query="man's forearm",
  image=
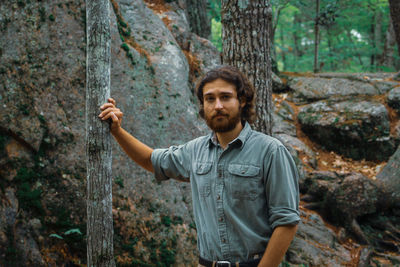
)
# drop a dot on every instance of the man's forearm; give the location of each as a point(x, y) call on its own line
point(278, 245)
point(135, 149)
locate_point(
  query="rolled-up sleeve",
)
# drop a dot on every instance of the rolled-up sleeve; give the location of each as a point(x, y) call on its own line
point(282, 188)
point(172, 162)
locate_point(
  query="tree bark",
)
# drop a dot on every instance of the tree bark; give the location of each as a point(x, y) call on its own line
point(246, 31)
point(316, 37)
point(98, 141)
point(394, 13)
point(199, 21)
point(387, 58)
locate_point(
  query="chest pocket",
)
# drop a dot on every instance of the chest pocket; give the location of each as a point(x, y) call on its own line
point(203, 172)
point(244, 181)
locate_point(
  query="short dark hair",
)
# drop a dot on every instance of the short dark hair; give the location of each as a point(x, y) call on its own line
point(244, 89)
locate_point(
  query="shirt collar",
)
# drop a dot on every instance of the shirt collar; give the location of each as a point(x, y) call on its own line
point(240, 140)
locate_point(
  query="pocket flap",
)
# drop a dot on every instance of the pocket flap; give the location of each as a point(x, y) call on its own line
point(203, 167)
point(243, 170)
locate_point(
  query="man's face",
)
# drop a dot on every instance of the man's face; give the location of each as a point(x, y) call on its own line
point(222, 109)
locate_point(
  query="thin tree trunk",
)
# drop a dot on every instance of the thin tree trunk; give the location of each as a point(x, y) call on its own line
point(298, 53)
point(316, 37)
point(246, 31)
point(377, 35)
point(98, 141)
point(283, 52)
point(387, 58)
point(394, 13)
point(331, 49)
point(199, 21)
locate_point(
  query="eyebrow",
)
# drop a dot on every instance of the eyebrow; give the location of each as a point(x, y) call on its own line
point(222, 93)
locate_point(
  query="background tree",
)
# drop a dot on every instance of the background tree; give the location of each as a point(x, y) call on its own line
point(200, 22)
point(316, 36)
point(246, 30)
point(394, 13)
point(100, 250)
point(352, 35)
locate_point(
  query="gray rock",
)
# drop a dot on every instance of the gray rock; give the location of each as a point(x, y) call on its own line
point(393, 98)
point(307, 154)
point(356, 129)
point(202, 55)
point(277, 84)
point(384, 86)
point(389, 178)
point(282, 126)
point(315, 244)
point(308, 89)
point(285, 111)
point(355, 196)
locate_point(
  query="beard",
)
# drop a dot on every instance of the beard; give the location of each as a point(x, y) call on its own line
point(224, 123)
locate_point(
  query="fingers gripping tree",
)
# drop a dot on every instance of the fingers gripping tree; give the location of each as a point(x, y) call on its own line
point(98, 141)
point(246, 44)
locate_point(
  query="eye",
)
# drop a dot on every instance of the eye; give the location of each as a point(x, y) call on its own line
point(225, 97)
point(209, 98)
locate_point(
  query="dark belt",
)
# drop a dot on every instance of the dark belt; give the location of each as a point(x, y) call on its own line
point(207, 263)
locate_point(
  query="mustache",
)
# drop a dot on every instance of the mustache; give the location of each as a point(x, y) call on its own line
point(219, 113)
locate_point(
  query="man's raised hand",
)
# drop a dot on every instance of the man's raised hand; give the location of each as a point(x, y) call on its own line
point(109, 110)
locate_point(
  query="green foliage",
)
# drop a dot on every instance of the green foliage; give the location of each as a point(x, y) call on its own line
point(125, 47)
point(56, 236)
point(166, 220)
point(347, 41)
point(52, 18)
point(346, 35)
point(119, 181)
point(216, 34)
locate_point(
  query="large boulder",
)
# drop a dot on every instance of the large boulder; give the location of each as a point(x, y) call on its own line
point(389, 177)
point(43, 132)
point(356, 129)
point(309, 89)
point(201, 54)
point(393, 99)
point(315, 244)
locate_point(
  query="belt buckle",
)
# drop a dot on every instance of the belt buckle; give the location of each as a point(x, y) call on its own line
point(223, 262)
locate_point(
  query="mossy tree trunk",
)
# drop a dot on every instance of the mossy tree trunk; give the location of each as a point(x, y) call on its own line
point(199, 20)
point(100, 251)
point(246, 32)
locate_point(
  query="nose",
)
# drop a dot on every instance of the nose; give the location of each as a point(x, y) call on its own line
point(218, 104)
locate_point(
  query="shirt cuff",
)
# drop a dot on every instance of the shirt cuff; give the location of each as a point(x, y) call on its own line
point(284, 216)
point(156, 162)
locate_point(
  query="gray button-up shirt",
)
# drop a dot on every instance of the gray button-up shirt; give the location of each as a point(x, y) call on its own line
point(239, 194)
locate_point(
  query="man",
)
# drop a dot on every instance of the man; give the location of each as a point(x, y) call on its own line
point(244, 183)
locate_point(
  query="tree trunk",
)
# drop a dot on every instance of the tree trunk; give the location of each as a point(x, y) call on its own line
point(316, 37)
point(377, 36)
point(98, 141)
point(199, 21)
point(283, 52)
point(298, 52)
point(394, 13)
point(387, 58)
point(246, 31)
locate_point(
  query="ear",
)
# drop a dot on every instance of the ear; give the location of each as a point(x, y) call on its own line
point(242, 102)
